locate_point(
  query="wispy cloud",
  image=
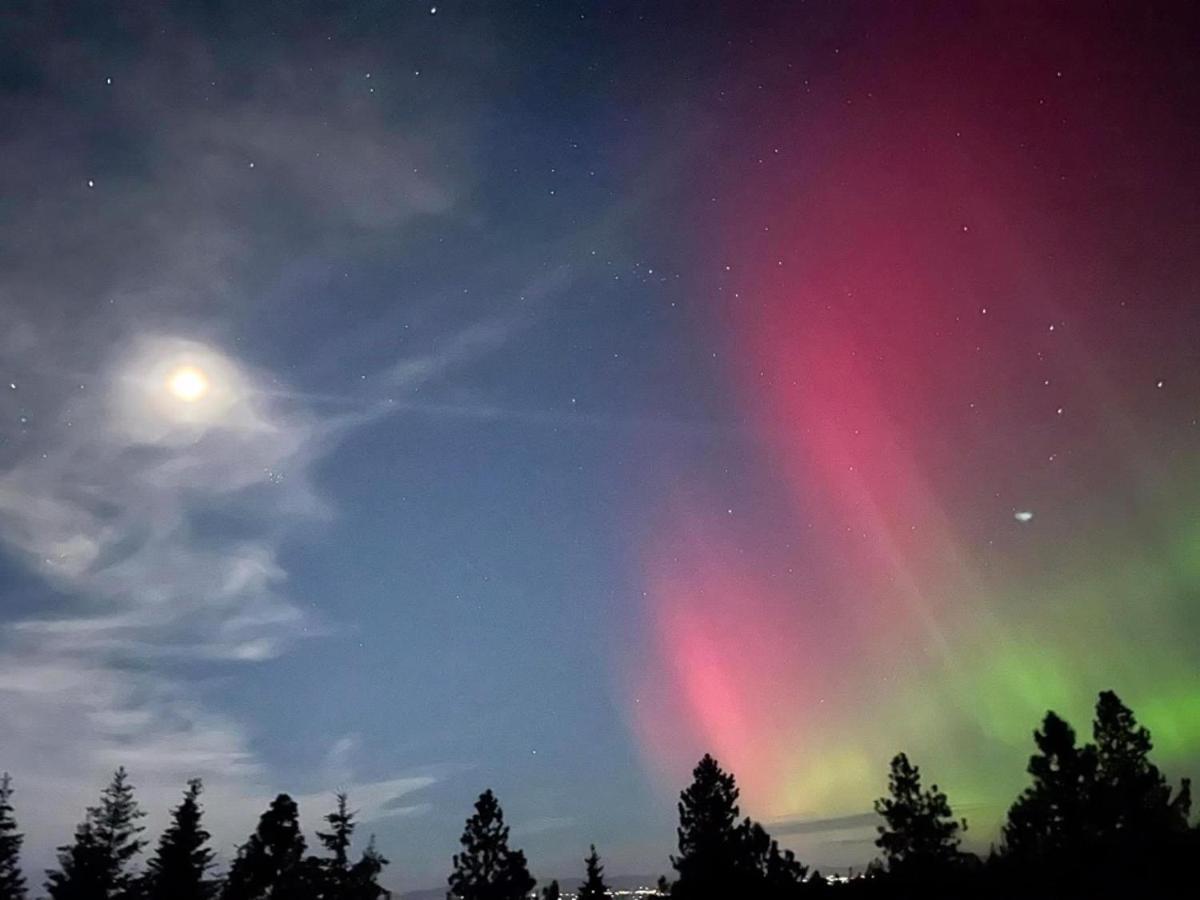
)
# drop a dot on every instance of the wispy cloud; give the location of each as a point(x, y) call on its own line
point(854, 821)
point(542, 824)
point(110, 488)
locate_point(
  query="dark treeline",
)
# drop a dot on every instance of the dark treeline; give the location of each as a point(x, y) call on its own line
point(1098, 819)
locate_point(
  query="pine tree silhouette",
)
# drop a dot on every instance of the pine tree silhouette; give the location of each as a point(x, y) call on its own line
point(1052, 815)
point(12, 882)
point(708, 860)
point(774, 873)
point(96, 866)
point(593, 887)
point(552, 891)
point(363, 880)
point(718, 855)
point(81, 874)
point(179, 866)
point(1099, 819)
point(337, 839)
point(341, 880)
point(487, 869)
point(271, 863)
point(919, 833)
point(1132, 798)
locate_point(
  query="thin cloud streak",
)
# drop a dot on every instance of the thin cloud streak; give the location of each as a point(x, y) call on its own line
point(105, 483)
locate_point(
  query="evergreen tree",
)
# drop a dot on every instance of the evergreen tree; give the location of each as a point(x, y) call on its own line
point(182, 860)
point(96, 865)
point(487, 869)
point(339, 879)
point(1052, 815)
point(1132, 798)
point(709, 860)
point(552, 891)
point(721, 857)
point(593, 887)
point(337, 839)
point(362, 882)
point(81, 874)
point(271, 863)
point(1099, 819)
point(12, 882)
point(773, 874)
point(919, 832)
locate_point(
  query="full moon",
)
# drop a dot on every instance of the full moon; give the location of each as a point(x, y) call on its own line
point(187, 383)
point(170, 391)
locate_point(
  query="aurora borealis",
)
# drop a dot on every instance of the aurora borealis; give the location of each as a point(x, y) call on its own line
point(416, 399)
point(957, 323)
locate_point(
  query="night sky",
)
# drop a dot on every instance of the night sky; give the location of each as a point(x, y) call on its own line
point(416, 399)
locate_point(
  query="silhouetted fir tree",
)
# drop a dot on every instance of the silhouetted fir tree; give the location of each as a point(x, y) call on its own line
point(773, 874)
point(81, 874)
point(552, 891)
point(339, 879)
point(1141, 829)
point(593, 887)
point(1052, 815)
point(1099, 819)
point(1132, 798)
point(12, 882)
point(363, 880)
point(96, 866)
point(920, 833)
point(333, 871)
point(271, 863)
point(718, 855)
point(487, 869)
point(179, 866)
point(337, 839)
point(709, 863)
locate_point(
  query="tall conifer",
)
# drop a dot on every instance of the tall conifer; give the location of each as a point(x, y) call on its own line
point(12, 882)
point(487, 869)
point(180, 865)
